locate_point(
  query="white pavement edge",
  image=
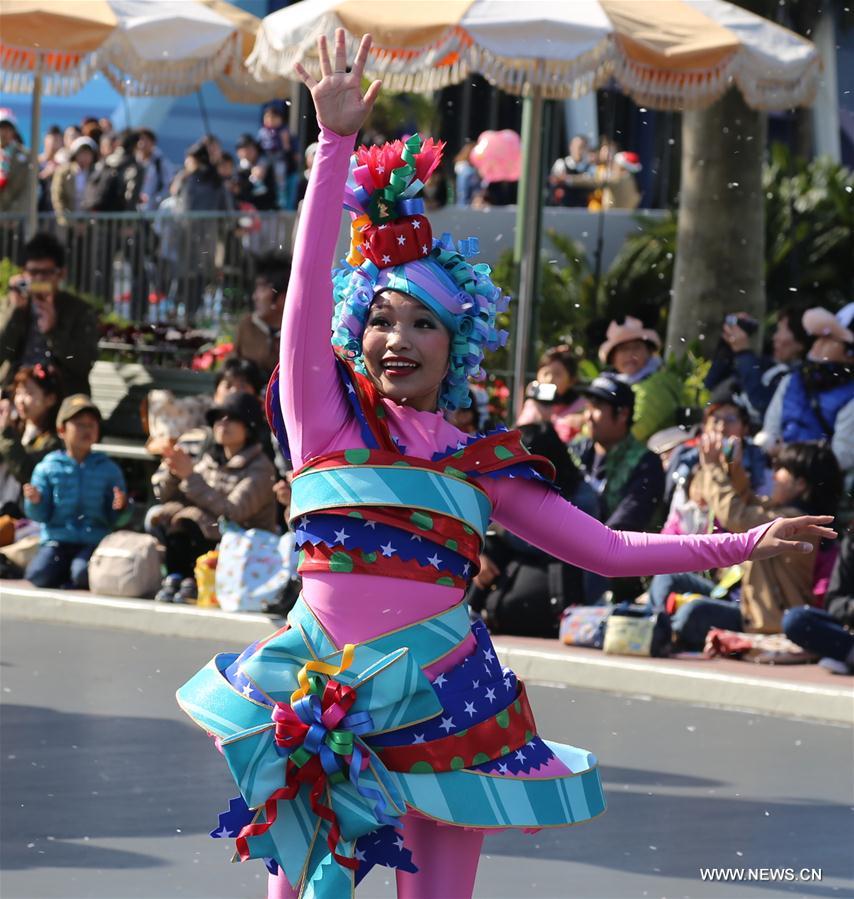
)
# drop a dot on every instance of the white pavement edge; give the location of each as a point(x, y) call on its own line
point(833, 703)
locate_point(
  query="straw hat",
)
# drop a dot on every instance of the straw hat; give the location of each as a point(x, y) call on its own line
point(630, 329)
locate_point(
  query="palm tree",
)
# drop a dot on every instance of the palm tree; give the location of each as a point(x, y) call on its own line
point(720, 243)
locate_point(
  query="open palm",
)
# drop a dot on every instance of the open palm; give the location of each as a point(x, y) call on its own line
point(790, 534)
point(338, 99)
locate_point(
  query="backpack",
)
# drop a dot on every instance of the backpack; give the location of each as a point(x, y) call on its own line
point(125, 564)
point(103, 191)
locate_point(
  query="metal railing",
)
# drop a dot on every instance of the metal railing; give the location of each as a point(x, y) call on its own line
point(188, 268)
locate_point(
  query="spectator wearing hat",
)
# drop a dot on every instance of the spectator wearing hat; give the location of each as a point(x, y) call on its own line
point(553, 397)
point(816, 401)
point(736, 365)
point(632, 351)
point(68, 187)
point(76, 495)
point(621, 189)
point(42, 324)
point(258, 331)
point(255, 176)
point(626, 476)
point(614, 178)
point(233, 479)
point(13, 165)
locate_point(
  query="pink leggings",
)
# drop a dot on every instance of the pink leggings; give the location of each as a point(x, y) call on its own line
point(447, 859)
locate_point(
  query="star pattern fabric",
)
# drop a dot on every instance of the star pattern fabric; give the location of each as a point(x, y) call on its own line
point(385, 846)
point(370, 536)
point(476, 689)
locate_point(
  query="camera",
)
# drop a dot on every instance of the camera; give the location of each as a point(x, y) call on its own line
point(747, 324)
point(542, 393)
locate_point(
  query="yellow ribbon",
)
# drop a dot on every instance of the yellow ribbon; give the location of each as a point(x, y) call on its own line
point(322, 668)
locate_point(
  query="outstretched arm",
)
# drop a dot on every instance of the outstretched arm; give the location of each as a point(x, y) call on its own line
point(540, 516)
point(313, 404)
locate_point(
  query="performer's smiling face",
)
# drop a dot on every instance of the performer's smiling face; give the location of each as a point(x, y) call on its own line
point(406, 350)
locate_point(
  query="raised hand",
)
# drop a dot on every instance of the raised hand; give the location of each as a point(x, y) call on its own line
point(338, 100)
point(32, 494)
point(788, 535)
point(120, 499)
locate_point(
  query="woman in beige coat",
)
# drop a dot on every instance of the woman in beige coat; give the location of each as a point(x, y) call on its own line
point(233, 480)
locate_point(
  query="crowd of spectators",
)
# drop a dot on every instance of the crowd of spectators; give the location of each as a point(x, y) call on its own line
point(94, 168)
point(774, 438)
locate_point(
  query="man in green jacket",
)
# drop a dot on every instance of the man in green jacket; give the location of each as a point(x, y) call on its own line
point(39, 323)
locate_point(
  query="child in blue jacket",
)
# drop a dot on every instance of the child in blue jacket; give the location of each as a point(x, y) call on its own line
point(77, 495)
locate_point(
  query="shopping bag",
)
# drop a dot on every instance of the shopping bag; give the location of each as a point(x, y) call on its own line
point(252, 569)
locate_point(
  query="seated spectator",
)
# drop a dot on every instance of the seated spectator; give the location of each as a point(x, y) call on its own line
point(632, 351)
point(519, 588)
point(734, 361)
point(233, 479)
point(807, 481)
point(237, 376)
point(829, 632)
point(28, 427)
point(76, 495)
point(816, 401)
point(626, 476)
point(41, 324)
point(258, 331)
point(68, 186)
point(553, 396)
point(728, 416)
point(255, 176)
point(466, 177)
point(566, 188)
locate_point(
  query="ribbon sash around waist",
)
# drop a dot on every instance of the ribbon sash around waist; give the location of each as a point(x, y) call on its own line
point(404, 485)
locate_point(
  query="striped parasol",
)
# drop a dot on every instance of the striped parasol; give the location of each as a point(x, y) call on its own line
point(663, 53)
point(167, 47)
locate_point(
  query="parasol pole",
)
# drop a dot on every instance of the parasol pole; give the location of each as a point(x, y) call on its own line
point(526, 250)
point(35, 133)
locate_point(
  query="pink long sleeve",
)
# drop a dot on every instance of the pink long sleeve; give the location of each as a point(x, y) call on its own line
point(314, 405)
point(536, 514)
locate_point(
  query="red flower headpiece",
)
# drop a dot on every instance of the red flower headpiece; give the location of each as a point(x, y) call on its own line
point(389, 227)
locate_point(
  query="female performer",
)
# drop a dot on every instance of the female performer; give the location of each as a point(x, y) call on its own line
point(377, 726)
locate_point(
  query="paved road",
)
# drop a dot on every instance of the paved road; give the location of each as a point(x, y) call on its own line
point(107, 791)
